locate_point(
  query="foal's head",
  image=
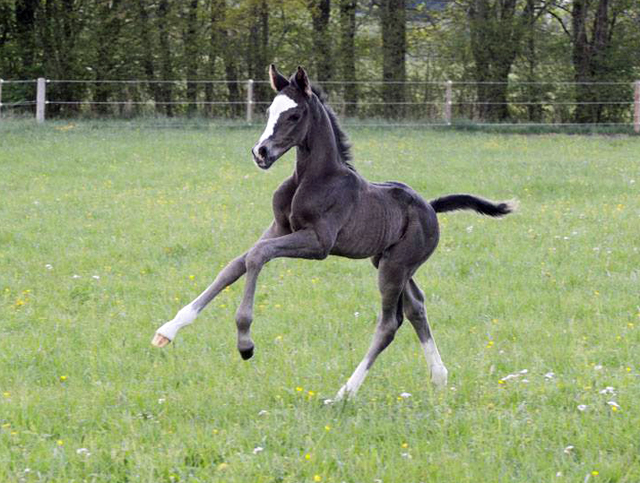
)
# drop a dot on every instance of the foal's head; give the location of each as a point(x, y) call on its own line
point(289, 116)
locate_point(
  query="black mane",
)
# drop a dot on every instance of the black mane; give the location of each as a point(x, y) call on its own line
point(342, 140)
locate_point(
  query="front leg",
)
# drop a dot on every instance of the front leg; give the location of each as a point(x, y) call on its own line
point(301, 244)
point(232, 272)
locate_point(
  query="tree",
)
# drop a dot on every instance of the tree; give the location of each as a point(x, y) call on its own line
point(347, 57)
point(146, 52)
point(394, 50)
point(108, 34)
point(323, 60)
point(60, 28)
point(166, 58)
point(257, 49)
point(192, 54)
point(497, 30)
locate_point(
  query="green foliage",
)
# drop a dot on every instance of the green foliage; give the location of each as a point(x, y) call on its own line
point(499, 48)
point(107, 229)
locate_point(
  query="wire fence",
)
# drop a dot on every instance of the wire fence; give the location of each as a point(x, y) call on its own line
point(412, 103)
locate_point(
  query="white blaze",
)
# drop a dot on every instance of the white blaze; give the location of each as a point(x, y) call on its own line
point(279, 105)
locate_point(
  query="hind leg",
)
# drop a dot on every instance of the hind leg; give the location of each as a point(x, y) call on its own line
point(391, 280)
point(415, 311)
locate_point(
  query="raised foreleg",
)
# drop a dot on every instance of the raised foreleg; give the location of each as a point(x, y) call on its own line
point(306, 243)
point(232, 272)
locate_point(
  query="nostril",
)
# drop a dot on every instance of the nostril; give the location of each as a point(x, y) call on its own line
point(262, 152)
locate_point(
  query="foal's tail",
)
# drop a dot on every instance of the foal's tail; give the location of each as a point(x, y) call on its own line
point(470, 202)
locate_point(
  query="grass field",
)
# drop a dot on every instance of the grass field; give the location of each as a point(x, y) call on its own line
point(106, 230)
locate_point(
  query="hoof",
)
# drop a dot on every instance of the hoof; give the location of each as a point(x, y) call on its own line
point(247, 353)
point(160, 341)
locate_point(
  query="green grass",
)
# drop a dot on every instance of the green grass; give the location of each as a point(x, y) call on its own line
point(135, 221)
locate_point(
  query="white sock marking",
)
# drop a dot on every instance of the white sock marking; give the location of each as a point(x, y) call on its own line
point(354, 382)
point(438, 371)
point(184, 317)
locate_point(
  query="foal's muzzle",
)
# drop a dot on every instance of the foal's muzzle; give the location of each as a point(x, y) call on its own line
point(262, 157)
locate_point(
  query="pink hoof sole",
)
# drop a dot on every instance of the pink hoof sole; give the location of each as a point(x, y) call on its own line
point(160, 341)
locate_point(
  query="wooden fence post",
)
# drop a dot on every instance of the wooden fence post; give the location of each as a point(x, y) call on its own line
point(40, 99)
point(636, 109)
point(249, 101)
point(448, 95)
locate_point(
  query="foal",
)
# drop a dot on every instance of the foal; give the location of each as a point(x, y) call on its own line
point(326, 208)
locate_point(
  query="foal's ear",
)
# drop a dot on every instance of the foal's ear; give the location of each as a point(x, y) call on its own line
point(278, 81)
point(302, 80)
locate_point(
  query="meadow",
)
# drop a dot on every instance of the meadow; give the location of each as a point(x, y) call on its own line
point(107, 229)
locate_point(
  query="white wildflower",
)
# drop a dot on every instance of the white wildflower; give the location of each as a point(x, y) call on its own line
point(258, 449)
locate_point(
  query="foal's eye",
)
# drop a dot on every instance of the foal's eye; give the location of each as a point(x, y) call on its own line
point(294, 117)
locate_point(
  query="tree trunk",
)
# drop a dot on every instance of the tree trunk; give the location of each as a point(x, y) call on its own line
point(348, 55)
point(25, 12)
point(394, 49)
point(534, 90)
point(216, 15)
point(229, 50)
point(496, 35)
point(166, 61)
point(147, 43)
point(109, 27)
point(192, 58)
point(258, 49)
point(320, 17)
point(60, 29)
point(589, 56)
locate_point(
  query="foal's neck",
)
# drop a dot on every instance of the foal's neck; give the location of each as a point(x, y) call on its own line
point(318, 155)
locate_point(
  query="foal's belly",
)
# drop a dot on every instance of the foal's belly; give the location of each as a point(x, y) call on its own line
point(369, 231)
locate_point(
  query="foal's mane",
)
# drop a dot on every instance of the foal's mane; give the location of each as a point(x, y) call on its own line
point(342, 140)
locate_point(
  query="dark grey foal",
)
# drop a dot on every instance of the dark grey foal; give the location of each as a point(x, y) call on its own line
point(326, 208)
